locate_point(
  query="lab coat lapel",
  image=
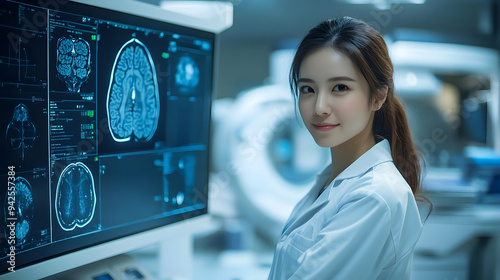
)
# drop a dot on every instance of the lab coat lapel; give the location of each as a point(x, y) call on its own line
point(308, 210)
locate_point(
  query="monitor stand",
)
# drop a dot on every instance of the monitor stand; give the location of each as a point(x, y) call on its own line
point(120, 267)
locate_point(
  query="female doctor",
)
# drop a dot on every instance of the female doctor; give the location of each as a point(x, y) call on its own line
point(360, 220)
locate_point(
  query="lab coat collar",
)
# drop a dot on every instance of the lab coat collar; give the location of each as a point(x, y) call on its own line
point(378, 154)
point(311, 203)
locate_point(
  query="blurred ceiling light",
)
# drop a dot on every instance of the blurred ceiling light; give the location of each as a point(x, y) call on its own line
point(210, 11)
point(383, 4)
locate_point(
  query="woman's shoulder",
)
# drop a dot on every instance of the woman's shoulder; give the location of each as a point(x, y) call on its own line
point(383, 183)
point(388, 182)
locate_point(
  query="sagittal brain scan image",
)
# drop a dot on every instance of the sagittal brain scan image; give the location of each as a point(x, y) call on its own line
point(73, 62)
point(187, 75)
point(182, 174)
point(24, 210)
point(75, 197)
point(187, 167)
point(21, 132)
point(133, 102)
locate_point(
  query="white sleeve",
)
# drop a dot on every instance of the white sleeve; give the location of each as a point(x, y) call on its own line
point(355, 243)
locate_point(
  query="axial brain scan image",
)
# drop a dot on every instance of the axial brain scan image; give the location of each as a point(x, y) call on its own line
point(75, 197)
point(73, 62)
point(21, 132)
point(24, 210)
point(133, 102)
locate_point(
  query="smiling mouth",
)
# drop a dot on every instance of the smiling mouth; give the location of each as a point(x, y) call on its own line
point(325, 127)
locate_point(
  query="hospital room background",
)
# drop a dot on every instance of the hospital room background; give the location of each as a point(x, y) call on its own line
point(445, 55)
point(447, 73)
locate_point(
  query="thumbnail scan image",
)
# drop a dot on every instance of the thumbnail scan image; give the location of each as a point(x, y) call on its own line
point(133, 103)
point(23, 212)
point(188, 166)
point(73, 62)
point(181, 178)
point(187, 76)
point(75, 197)
point(21, 132)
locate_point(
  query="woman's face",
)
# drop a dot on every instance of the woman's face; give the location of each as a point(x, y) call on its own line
point(333, 98)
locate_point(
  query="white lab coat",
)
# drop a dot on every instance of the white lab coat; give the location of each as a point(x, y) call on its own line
point(363, 226)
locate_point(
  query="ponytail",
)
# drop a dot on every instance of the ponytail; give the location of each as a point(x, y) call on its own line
point(390, 122)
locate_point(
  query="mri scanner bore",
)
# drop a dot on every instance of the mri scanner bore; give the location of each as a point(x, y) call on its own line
point(133, 104)
point(21, 132)
point(23, 195)
point(73, 62)
point(75, 197)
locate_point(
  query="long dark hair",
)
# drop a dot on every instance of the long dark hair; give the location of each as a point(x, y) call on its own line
point(367, 49)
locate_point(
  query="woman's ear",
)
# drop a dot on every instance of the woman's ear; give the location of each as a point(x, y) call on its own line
point(379, 98)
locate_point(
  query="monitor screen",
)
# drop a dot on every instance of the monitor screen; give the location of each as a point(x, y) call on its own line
point(104, 126)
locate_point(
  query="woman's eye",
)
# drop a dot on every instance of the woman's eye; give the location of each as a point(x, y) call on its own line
point(340, 88)
point(306, 89)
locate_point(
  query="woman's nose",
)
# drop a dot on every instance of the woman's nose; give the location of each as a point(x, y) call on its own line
point(322, 106)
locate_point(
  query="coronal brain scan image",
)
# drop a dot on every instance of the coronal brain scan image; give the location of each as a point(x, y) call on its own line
point(24, 210)
point(133, 102)
point(21, 132)
point(75, 197)
point(73, 62)
point(187, 75)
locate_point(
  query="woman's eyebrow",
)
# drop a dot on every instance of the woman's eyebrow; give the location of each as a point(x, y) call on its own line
point(333, 79)
point(341, 78)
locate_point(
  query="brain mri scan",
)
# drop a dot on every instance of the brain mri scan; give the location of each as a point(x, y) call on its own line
point(75, 197)
point(24, 210)
point(133, 102)
point(73, 62)
point(21, 132)
point(187, 76)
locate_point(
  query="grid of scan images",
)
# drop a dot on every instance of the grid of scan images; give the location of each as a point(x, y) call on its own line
point(105, 123)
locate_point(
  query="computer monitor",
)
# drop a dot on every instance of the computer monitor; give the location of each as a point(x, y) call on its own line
point(104, 127)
